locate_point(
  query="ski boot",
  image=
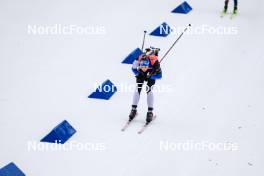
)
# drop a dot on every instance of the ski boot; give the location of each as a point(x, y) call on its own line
point(132, 114)
point(224, 12)
point(234, 14)
point(149, 117)
point(235, 11)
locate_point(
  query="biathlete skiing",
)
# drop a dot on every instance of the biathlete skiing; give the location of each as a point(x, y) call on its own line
point(146, 69)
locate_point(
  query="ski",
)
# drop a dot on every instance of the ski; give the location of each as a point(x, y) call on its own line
point(146, 125)
point(223, 14)
point(127, 124)
point(233, 15)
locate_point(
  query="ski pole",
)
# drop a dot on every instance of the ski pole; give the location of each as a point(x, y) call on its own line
point(143, 41)
point(175, 43)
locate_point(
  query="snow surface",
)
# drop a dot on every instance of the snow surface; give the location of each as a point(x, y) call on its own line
point(217, 92)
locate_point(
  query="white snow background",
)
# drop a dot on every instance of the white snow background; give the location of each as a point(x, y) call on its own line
point(217, 96)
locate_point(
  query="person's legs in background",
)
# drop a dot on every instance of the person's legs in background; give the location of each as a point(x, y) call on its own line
point(226, 6)
point(235, 6)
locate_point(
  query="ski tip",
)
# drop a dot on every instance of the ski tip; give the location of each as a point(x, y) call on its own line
point(232, 17)
point(223, 14)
